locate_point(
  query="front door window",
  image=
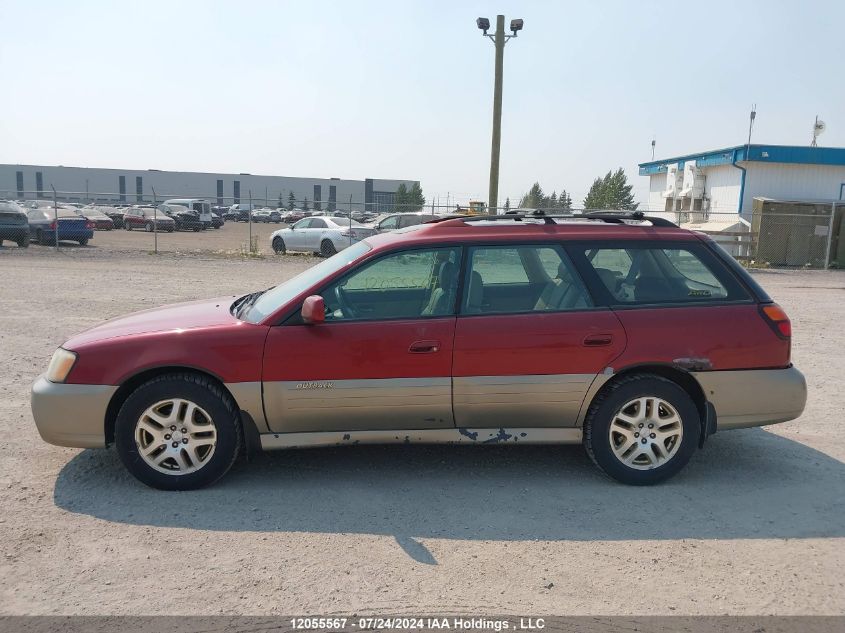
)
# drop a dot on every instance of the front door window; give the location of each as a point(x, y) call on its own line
point(411, 284)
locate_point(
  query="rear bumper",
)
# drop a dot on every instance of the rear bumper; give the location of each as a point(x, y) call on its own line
point(71, 415)
point(754, 397)
point(69, 235)
point(14, 233)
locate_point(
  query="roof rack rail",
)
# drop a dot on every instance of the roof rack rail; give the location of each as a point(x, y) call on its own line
point(611, 217)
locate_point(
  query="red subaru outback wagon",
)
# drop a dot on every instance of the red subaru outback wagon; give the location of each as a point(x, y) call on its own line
point(622, 332)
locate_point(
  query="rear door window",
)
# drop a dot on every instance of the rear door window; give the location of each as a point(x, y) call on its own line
point(530, 278)
point(639, 274)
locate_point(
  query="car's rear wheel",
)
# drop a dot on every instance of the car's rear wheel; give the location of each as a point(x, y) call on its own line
point(279, 246)
point(83, 241)
point(327, 248)
point(24, 242)
point(642, 429)
point(178, 432)
point(148, 227)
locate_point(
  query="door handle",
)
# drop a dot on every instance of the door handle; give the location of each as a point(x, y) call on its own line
point(597, 340)
point(424, 347)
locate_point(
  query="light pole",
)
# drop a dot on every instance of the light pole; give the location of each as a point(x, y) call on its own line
point(499, 39)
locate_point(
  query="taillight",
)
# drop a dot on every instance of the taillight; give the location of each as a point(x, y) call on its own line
point(53, 225)
point(777, 319)
point(89, 225)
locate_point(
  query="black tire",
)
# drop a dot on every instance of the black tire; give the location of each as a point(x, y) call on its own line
point(327, 248)
point(83, 241)
point(24, 243)
point(607, 405)
point(279, 246)
point(39, 236)
point(207, 395)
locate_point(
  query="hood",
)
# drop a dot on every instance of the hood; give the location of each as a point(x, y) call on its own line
point(179, 316)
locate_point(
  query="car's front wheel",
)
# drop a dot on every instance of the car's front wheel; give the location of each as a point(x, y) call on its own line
point(279, 246)
point(327, 248)
point(178, 432)
point(642, 429)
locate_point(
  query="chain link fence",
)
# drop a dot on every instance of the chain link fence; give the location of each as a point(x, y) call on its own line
point(796, 234)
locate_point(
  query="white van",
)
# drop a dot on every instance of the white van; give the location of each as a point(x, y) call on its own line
point(203, 207)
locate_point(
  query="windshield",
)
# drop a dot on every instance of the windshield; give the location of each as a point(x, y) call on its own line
point(276, 297)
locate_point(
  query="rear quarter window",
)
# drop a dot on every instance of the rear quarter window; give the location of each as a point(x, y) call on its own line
point(677, 273)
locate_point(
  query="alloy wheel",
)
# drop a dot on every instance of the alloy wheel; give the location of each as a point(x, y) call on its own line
point(175, 436)
point(646, 433)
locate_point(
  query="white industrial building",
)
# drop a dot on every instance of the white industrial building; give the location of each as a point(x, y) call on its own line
point(726, 181)
point(133, 186)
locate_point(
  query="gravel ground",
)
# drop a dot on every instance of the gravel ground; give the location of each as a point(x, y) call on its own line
point(754, 525)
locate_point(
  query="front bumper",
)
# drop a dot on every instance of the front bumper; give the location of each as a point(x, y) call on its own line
point(754, 397)
point(71, 415)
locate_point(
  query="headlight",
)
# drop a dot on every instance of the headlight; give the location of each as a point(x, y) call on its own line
point(60, 365)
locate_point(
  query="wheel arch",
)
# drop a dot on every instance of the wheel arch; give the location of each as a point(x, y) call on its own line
point(673, 373)
point(132, 382)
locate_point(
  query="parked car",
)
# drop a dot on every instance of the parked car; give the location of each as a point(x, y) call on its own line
point(261, 215)
point(275, 216)
point(293, 216)
point(232, 216)
point(100, 220)
point(48, 224)
point(217, 220)
point(148, 219)
point(603, 330)
point(395, 221)
point(324, 235)
point(115, 214)
point(242, 210)
point(185, 219)
point(202, 207)
point(14, 225)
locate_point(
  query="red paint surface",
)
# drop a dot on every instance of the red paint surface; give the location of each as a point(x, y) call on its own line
point(553, 343)
point(200, 334)
point(346, 351)
point(731, 337)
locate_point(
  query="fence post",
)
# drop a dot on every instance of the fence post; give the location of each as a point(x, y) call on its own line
point(155, 219)
point(829, 235)
point(56, 216)
point(250, 221)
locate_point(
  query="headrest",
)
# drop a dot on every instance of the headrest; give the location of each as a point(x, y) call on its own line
point(447, 277)
point(563, 272)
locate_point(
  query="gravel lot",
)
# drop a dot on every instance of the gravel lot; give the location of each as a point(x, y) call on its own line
point(754, 525)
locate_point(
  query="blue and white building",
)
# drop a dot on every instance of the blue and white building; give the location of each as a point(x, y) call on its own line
point(726, 181)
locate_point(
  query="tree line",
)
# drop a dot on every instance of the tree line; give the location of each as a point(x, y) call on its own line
point(611, 191)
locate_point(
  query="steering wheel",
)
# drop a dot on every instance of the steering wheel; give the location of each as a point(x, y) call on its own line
point(345, 306)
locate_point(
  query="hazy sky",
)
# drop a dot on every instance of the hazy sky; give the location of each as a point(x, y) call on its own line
point(401, 89)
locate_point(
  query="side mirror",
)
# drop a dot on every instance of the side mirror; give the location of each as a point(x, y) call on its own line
point(314, 310)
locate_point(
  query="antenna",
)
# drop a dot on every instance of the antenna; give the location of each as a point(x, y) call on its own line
point(653, 143)
point(818, 127)
point(751, 121)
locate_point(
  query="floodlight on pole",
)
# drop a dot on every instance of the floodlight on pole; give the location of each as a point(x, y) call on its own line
point(499, 39)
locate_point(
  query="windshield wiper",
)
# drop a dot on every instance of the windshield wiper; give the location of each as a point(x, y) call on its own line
point(247, 301)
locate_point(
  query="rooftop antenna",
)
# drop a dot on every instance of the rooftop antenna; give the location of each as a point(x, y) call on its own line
point(751, 122)
point(653, 143)
point(818, 127)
